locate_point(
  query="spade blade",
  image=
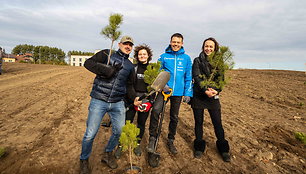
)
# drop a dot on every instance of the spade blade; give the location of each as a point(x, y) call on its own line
point(153, 158)
point(161, 81)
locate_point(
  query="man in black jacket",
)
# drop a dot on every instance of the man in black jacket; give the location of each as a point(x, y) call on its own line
point(108, 91)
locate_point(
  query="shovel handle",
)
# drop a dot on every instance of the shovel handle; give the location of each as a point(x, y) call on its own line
point(146, 95)
point(166, 96)
point(141, 98)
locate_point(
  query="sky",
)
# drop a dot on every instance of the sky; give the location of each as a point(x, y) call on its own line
point(262, 34)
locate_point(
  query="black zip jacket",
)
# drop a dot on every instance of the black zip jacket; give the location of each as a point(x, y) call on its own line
point(200, 100)
point(113, 88)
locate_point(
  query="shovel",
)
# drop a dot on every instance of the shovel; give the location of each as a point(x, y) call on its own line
point(158, 84)
point(154, 157)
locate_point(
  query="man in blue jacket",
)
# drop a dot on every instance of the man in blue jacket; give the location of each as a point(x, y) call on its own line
point(179, 65)
point(108, 91)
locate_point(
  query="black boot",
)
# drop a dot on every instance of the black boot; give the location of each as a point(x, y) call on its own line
point(171, 146)
point(151, 146)
point(137, 150)
point(223, 148)
point(84, 167)
point(118, 152)
point(199, 148)
point(110, 160)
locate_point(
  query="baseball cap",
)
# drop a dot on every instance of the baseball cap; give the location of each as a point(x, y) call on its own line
point(127, 39)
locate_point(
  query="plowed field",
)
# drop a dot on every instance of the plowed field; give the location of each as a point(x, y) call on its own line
point(43, 113)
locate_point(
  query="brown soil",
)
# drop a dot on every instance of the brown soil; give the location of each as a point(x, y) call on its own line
point(43, 112)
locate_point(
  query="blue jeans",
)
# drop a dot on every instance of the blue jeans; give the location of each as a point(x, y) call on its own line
point(97, 110)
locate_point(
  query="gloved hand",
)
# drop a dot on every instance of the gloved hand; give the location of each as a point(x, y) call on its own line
point(108, 71)
point(166, 89)
point(144, 107)
point(117, 66)
point(186, 99)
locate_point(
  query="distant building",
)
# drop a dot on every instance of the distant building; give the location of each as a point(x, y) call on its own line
point(78, 60)
point(27, 57)
point(8, 58)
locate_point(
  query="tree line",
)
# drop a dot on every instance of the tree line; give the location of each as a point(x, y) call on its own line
point(80, 53)
point(46, 54)
point(42, 54)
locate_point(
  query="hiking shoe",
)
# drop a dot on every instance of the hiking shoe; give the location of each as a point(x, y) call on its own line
point(226, 157)
point(137, 150)
point(198, 154)
point(110, 160)
point(171, 147)
point(84, 167)
point(151, 146)
point(118, 152)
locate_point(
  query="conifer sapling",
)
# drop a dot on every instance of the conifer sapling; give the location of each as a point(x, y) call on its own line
point(128, 138)
point(111, 30)
point(153, 69)
point(221, 61)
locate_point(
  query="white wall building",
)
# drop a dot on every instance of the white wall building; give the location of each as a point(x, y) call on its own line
point(78, 60)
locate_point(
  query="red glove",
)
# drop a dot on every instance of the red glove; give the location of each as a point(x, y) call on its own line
point(145, 107)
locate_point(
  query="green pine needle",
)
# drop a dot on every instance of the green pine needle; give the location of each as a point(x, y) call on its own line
point(221, 61)
point(129, 135)
point(153, 69)
point(301, 137)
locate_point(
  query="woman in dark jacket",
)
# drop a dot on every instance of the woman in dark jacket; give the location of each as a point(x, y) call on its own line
point(207, 98)
point(137, 87)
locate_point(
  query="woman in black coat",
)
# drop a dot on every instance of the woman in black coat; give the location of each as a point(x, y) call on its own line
point(207, 98)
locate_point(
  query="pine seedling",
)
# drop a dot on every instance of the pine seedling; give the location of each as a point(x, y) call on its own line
point(221, 61)
point(2, 151)
point(153, 69)
point(301, 137)
point(128, 138)
point(111, 30)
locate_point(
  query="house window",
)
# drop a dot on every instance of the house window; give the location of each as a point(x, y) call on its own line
point(80, 60)
point(73, 59)
point(80, 64)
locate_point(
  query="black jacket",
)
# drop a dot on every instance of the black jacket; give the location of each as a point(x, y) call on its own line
point(137, 87)
point(111, 89)
point(201, 68)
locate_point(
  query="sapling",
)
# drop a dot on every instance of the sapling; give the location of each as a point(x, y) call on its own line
point(153, 69)
point(301, 137)
point(111, 30)
point(2, 151)
point(128, 139)
point(221, 61)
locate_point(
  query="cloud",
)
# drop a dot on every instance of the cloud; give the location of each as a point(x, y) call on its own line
point(256, 31)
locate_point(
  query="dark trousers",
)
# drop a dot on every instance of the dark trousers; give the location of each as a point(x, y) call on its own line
point(215, 116)
point(175, 103)
point(141, 120)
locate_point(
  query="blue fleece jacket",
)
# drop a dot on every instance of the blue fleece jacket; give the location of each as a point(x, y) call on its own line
point(179, 65)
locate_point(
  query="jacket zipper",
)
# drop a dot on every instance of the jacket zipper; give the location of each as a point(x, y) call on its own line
point(174, 73)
